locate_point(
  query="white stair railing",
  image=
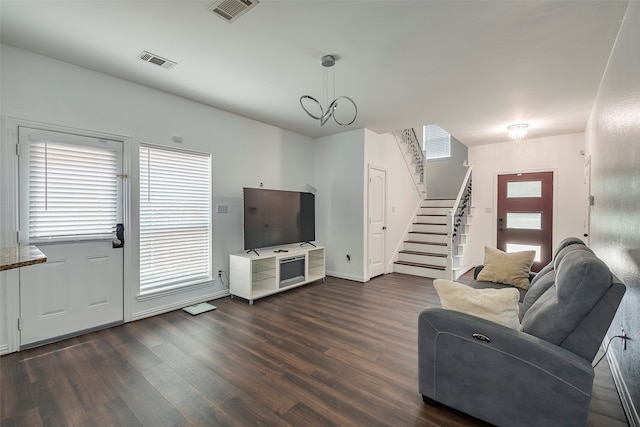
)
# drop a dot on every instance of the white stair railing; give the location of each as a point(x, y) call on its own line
point(415, 158)
point(456, 221)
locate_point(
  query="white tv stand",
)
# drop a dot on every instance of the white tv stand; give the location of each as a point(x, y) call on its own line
point(255, 276)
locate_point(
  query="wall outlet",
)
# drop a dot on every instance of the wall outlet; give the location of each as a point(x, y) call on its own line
point(624, 338)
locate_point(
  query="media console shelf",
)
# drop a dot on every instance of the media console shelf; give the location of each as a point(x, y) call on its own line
point(255, 276)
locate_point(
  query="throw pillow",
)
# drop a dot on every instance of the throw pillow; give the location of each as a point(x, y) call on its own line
point(496, 305)
point(507, 268)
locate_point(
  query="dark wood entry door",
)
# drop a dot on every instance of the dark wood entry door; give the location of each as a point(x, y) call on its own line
point(525, 214)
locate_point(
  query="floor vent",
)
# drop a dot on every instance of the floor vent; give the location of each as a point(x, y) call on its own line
point(230, 10)
point(155, 59)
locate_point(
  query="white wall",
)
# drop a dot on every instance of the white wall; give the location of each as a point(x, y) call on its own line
point(402, 195)
point(244, 152)
point(613, 141)
point(560, 154)
point(9, 313)
point(342, 163)
point(444, 176)
point(340, 202)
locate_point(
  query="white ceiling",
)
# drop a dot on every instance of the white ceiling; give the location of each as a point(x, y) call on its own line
point(472, 67)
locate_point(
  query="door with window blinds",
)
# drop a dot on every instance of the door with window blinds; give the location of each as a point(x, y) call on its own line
point(70, 202)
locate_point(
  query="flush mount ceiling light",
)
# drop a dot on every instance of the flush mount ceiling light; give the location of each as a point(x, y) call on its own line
point(314, 108)
point(518, 132)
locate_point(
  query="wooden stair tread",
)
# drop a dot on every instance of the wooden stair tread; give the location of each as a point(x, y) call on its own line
point(423, 253)
point(417, 264)
point(426, 243)
point(428, 232)
point(432, 215)
point(430, 223)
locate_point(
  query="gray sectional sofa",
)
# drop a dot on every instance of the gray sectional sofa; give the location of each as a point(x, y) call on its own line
point(539, 375)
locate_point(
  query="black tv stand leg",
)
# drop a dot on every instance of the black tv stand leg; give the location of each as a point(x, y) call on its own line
point(253, 250)
point(307, 243)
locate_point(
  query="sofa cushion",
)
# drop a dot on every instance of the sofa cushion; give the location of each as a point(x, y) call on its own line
point(547, 276)
point(479, 284)
point(581, 279)
point(507, 268)
point(541, 284)
point(565, 243)
point(496, 305)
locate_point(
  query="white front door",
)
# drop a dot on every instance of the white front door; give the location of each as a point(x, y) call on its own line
point(70, 203)
point(377, 220)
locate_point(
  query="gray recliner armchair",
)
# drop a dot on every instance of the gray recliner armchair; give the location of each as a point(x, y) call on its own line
point(540, 375)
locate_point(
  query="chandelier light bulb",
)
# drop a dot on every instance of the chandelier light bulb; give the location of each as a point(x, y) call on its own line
point(518, 131)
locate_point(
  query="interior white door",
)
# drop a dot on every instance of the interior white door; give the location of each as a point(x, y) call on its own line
point(377, 220)
point(589, 201)
point(70, 202)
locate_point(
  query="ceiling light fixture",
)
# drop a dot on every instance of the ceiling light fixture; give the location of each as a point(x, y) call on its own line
point(518, 132)
point(328, 61)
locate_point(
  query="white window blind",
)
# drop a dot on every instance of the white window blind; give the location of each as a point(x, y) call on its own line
point(175, 218)
point(72, 189)
point(437, 142)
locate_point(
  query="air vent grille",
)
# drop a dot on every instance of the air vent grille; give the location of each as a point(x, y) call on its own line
point(230, 10)
point(157, 60)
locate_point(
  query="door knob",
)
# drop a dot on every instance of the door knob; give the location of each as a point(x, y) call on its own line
point(118, 242)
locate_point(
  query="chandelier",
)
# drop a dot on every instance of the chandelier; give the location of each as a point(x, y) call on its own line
point(518, 132)
point(314, 108)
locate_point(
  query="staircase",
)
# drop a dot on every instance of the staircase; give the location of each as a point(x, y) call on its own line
point(426, 249)
point(436, 239)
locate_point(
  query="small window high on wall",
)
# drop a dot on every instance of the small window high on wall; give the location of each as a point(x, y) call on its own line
point(437, 142)
point(175, 218)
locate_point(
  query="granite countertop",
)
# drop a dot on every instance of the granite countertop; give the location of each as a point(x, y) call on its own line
point(20, 257)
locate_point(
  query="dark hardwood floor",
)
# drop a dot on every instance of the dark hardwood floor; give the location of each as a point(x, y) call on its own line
point(336, 353)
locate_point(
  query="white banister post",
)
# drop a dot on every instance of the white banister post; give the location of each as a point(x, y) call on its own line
point(450, 222)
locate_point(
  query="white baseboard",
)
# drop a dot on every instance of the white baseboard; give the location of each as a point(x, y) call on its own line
point(178, 305)
point(461, 270)
point(345, 276)
point(627, 403)
point(4, 349)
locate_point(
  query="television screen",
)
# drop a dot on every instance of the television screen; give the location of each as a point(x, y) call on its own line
point(277, 217)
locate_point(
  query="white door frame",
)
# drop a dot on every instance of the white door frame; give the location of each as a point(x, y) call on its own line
point(11, 223)
point(556, 179)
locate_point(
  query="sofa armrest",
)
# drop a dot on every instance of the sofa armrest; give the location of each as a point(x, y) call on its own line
point(477, 271)
point(509, 378)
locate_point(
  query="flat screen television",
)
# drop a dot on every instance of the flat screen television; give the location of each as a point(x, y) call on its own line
point(277, 217)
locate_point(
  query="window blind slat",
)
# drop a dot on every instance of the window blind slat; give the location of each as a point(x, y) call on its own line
point(437, 142)
point(73, 191)
point(175, 218)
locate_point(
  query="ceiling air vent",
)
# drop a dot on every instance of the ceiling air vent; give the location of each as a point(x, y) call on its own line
point(155, 59)
point(230, 10)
